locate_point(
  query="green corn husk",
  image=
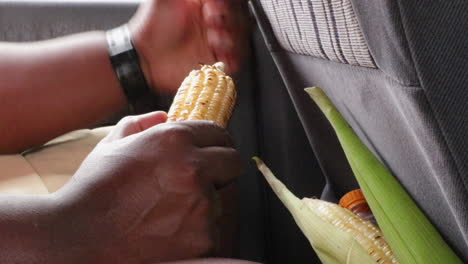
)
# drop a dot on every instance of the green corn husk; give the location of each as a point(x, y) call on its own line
point(332, 245)
point(412, 237)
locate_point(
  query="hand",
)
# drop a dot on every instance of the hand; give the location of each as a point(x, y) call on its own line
point(145, 193)
point(174, 36)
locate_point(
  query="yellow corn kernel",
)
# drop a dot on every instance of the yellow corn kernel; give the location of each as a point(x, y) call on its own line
point(206, 94)
point(367, 234)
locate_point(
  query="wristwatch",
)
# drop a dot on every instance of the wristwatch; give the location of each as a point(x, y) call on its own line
point(126, 64)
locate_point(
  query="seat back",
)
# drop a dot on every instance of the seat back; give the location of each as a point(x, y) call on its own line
point(397, 72)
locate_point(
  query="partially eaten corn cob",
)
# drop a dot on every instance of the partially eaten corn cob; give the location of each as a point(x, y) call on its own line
point(413, 238)
point(335, 233)
point(206, 94)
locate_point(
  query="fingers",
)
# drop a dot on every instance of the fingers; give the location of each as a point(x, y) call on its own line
point(208, 133)
point(130, 125)
point(151, 119)
point(200, 151)
point(226, 22)
point(221, 165)
point(224, 14)
point(216, 14)
point(196, 133)
point(222, 44)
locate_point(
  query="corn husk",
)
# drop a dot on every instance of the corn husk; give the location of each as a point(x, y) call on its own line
point(411, 235)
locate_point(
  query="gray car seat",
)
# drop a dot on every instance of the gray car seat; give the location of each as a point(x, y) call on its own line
point(397, 70)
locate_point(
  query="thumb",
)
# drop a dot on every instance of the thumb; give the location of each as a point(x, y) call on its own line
point(150, 119)
point(130, 125)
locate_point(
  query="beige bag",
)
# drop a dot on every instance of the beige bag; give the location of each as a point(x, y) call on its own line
point(46, 169)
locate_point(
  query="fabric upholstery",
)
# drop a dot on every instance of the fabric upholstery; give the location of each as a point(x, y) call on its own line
point(320, 28)
point(31, 20)
point(410, 111)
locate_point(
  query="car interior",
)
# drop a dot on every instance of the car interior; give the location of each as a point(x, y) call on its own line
point(395, 69)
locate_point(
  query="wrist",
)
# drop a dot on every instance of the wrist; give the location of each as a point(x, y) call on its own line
point(164, 59)
point(145, 65)
point(28, 230)
point(72, 233)
point(138, 43)
point(127, 64)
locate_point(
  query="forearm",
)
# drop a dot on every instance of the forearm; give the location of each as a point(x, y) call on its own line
point(25, 228)
point(51, 87)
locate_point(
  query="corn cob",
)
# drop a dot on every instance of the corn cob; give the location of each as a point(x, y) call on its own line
point(366, 234)
point(336, 234)
point(411, 235)
point(206, 94)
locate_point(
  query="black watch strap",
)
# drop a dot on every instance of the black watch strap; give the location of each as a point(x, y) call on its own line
point(126, 63)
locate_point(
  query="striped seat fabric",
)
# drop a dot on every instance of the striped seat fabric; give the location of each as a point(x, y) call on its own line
point(327, 29)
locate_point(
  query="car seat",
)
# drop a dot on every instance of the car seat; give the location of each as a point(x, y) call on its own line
point(397, 72)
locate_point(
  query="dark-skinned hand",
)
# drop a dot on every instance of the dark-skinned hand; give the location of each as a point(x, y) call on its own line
point(146, 192)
